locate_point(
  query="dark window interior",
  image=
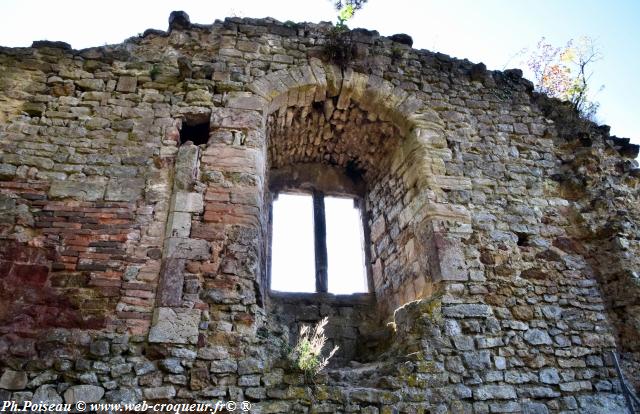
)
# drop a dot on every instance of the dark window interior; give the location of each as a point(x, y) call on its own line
point(196, 132)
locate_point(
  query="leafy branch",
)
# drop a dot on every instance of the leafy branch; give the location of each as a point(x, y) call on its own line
point(565, 72)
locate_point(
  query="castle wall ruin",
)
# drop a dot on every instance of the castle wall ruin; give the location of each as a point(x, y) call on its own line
point(502, 229)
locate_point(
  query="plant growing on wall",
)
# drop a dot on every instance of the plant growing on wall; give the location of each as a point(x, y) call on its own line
point(339, 47)
point(565, 72)
point(307, 354)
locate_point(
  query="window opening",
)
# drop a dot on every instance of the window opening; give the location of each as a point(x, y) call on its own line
point(194, 131)
point(292, 251)
point(317, 244)
point(345, 246)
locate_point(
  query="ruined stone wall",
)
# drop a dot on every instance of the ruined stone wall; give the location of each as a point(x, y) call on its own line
point(133, 265)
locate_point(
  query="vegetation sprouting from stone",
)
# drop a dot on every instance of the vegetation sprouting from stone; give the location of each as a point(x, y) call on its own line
point(307, 354)
point(565, 72)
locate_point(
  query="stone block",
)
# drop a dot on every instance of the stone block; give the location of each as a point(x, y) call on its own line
point(549, 376)
point(494, 392)
point(449, 263)
point(538, 392)
point(534, 408)
point(7, 171)
point(46, 394)
point(90, 84)
point(179, 225)
point(85, 393)
point(175, 326)
point(171, 282)
point(537, 337)
point(79, 190)
point(186, 167)
point(236, 118)
point(188, 202)
point(467, 310)
point(127, 84)
point(602, 404)
point(254, 102)
point(13, 380)
point(39, 162)
point(192, 249)
point(159, 393)
point(213, 353)
point(124, 189)
point(250, 366)
point(223, 366)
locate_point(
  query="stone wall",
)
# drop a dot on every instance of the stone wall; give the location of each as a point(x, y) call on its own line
point(134, 265)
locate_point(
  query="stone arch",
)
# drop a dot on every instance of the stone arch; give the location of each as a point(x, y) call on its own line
point(432, 245)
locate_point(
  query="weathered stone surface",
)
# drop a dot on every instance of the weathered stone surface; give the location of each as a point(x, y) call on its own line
point(85, 393)
point(7, 171)
point(171, 282)
point(223, 366)
point(602, 404)
point(46, 394)
point(186, 167)
point(549, 376)
point(13, 380)
point(179, 225)
point(534, 408)
point(188, 202)
point(127, 84)
point(159, 393)
point(79, 190)
point(124, 189)
point(467, 311)
point(175, 325)
point(192, 249)
point(537, 337)
point(490, 392)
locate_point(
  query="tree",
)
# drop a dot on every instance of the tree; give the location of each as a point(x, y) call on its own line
point(346, 9)
point(356, 4)
point(565, 72)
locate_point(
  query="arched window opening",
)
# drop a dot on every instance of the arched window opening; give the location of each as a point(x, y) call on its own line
point(317, 244)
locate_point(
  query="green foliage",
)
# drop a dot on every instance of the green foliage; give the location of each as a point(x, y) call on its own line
point(565, 72)
point(340, 47)
point(345, 14)
point(346, 9)
point(355, 4)
point(154, 72)
point(396, 54)
point(307, 354)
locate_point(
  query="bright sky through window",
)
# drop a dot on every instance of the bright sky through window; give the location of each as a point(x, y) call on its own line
point(345, 246)
point(292, 251)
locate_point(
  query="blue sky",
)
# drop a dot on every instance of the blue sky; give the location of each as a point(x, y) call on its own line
point(490, 31)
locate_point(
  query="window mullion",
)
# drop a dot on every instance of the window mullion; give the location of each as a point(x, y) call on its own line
point(320, 237)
